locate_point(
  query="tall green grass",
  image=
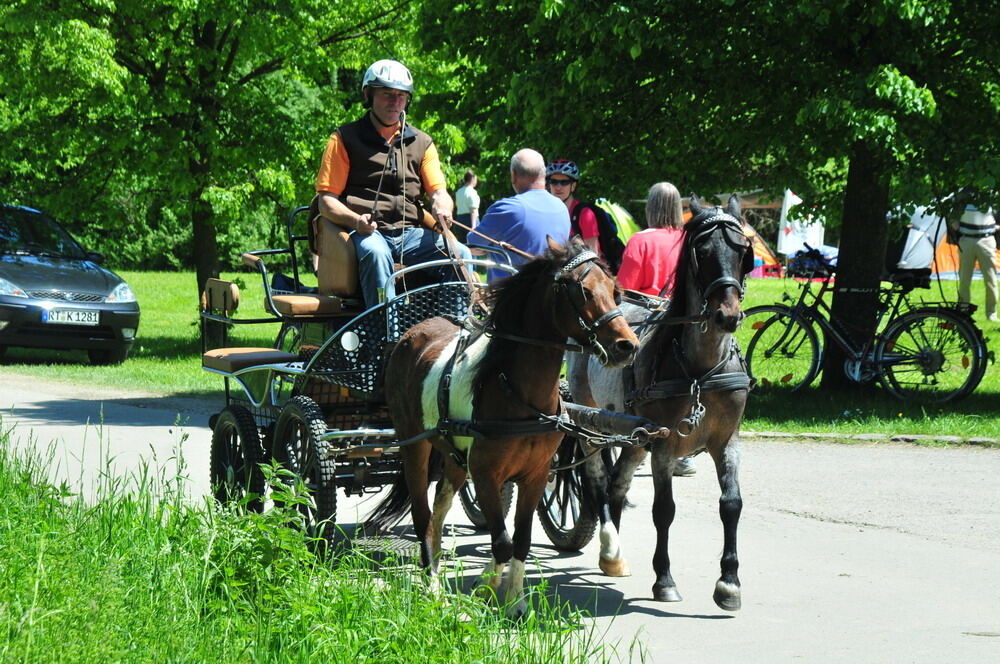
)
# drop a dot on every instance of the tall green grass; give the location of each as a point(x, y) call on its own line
point(132, 577)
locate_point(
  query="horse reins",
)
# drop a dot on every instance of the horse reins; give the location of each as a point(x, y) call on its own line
point(574, 293)
point(506, 246)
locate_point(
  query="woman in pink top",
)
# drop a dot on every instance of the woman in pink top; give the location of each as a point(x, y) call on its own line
point(649, 264)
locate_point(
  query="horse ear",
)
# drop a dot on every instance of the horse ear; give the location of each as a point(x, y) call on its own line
point(695, 205)
point(733, 207)
point(554, 246)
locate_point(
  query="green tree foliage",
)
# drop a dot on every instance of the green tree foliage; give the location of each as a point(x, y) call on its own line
point(176, 131)
point(855, 105)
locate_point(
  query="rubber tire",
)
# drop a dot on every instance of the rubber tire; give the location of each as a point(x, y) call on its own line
point(566, 520)
point(235, 458)
point(764, 328)
point(107, 356)
point(298, 447)
point(959, 342)
point(467, 496)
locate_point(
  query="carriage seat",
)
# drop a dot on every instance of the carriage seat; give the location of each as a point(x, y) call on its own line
point(308, 305)
point(231, 360)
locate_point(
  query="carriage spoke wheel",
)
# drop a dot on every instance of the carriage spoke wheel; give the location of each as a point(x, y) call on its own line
point(297, 445)
point(467, 496)
point(567, 520)
point(235, 459)
point(931, 356)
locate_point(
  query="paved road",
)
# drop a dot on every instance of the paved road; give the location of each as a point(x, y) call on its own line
point(861, 553)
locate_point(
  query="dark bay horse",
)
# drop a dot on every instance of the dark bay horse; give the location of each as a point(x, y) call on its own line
point(503, 380)
point(689, 376)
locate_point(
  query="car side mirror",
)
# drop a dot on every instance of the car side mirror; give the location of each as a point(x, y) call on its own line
point(95, 257)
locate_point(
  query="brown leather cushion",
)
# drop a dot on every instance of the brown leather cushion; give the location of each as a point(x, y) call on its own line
point(337, 262)
point(307, 305)
point(234, 359)
point(220, 296)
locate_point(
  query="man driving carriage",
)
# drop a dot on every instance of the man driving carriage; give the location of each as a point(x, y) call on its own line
point(373, 180)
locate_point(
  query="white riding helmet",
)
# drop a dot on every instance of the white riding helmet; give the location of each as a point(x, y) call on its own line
point(563, 167)
point(387, 74)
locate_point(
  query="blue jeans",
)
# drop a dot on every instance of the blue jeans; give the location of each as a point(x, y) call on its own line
point(377, 254)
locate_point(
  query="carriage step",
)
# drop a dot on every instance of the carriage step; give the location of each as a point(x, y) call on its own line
point(230, 360)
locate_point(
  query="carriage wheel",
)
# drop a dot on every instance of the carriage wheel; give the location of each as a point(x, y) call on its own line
point(467, 495)
point(565, 518)
point(782, 350)
point(297, 445)
point(931, 355)
point(235, 459)
point(289, 338)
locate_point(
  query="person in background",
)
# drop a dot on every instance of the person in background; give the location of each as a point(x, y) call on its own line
point(525, 219)
point(977, 244)
point(649, 264)
point(375, 175)
point(561, 179)
point(467, 204)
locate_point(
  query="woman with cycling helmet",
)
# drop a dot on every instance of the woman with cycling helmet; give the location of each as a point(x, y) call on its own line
point(561, 178)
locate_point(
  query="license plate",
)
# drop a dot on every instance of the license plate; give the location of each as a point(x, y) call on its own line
point(72, 316)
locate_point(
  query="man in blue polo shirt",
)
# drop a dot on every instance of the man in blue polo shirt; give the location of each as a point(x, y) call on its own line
point(526, 218)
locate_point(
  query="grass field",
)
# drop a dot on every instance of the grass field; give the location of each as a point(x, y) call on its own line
point(165, 361)
point(135, 578)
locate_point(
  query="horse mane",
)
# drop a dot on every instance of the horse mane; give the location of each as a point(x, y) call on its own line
point(507, 297)
point(678, 306)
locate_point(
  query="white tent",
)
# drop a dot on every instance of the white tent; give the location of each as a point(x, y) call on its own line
point(793, 235)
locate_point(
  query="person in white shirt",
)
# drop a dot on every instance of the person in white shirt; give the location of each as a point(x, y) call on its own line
point(976, 244)
point(467, 205)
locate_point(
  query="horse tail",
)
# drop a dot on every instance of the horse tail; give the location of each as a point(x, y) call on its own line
point(396, 504)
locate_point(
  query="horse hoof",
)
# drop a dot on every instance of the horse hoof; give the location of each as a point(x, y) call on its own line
point(666, 594)
point(486, 592)
point(616, 567)
point(517, 610)
point(727, 596)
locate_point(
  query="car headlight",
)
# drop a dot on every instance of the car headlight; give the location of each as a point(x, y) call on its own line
point(7, 288)
point(121, 293)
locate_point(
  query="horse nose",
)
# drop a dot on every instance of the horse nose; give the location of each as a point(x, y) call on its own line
point(727, 322)
point(625, 348)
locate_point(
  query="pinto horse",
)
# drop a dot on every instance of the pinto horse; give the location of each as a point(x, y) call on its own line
point(502, 380)
point(689, 376)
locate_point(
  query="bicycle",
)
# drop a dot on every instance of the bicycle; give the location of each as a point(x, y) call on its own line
point(932, 351)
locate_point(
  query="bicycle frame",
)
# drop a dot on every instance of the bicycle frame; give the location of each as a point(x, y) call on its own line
point(893, 301)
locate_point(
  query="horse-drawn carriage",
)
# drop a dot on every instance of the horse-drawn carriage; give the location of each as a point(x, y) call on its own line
point(314, 399)
point(319, 399)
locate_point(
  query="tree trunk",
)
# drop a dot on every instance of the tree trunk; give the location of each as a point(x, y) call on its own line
point(206, 246)
point(862, 255)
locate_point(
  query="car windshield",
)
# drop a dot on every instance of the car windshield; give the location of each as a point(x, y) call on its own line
point(29, 232)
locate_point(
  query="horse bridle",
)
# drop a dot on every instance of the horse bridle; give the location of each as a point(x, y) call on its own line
point(725, 222)
point(577, 298)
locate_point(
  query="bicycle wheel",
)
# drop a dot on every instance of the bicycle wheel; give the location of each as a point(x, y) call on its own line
point(931, 355)
point(782, 349)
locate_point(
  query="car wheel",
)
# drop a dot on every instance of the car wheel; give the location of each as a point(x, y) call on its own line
point(101, 356)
